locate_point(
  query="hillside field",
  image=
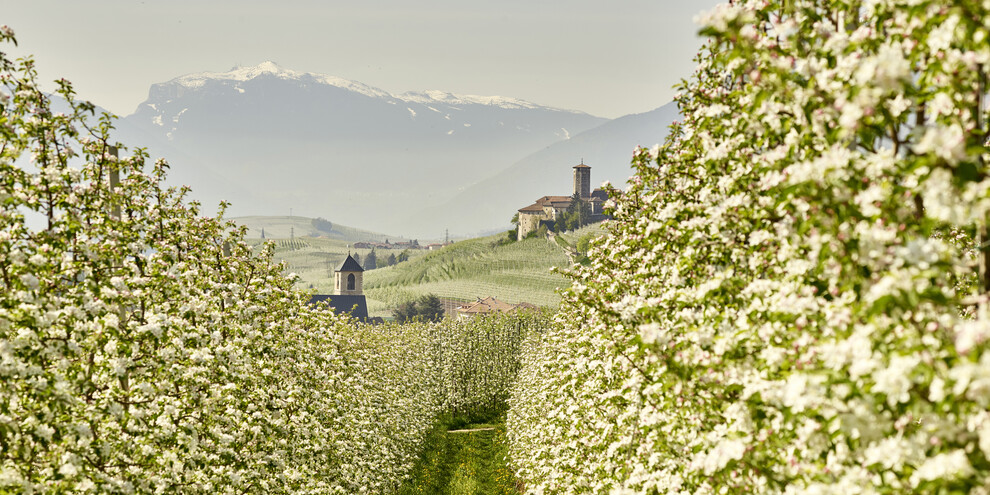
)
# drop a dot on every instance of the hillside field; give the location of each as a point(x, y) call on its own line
point(465, 270)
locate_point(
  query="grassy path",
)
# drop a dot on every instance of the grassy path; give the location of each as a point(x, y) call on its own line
point(462, 459)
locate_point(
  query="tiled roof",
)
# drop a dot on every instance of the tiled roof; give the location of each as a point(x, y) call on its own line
point(491, 305)
point(535, 207)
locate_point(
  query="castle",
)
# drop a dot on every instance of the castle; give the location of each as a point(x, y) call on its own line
point(547, 209)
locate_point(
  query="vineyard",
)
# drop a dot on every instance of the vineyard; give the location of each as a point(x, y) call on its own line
point(481, 267)
point(515, 273)
point(793, 297)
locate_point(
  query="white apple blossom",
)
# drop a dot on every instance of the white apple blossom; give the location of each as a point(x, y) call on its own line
point(838, 308)
point(950, 465)
point(194, 367)
point(946, 142)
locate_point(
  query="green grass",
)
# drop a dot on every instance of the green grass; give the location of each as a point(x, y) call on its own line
point(463, 463)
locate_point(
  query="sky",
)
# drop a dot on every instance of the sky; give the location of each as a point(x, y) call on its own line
point(607, 58)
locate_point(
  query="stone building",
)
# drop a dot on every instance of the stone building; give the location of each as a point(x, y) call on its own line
point(348, 294)
point(547, 209)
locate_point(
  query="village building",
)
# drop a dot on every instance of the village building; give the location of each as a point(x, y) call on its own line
point(348, 294)
point(489, 305)
point(547, 210)
point(413, 244)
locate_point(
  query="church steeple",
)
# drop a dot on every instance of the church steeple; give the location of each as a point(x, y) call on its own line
point(348, 278)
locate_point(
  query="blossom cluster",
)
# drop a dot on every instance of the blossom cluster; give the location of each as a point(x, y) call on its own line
point(145, 348)
point(791, 297)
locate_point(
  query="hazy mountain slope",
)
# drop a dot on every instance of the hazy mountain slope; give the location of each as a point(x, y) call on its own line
point(325, 146)
point(608, 149)
point(285, 227)
point(207, 186)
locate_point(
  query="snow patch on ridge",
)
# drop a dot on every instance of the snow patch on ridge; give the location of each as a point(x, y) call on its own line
point(429, 98)
point(176, 118)
point(269, 68)
point(433, 96)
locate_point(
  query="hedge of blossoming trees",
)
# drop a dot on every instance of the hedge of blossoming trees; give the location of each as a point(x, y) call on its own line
point(478, 360)
point(144, 348)
point(791, 298)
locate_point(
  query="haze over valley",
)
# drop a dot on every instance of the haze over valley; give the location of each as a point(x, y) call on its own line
point(270, 139)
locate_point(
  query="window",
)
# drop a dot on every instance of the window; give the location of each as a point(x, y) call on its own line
point(350, 281)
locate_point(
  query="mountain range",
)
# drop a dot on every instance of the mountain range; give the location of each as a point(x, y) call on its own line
point(269, 139)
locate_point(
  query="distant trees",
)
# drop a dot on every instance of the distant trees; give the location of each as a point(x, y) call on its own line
point(357, 257)
point(509, 238)
point(427, 308)
point(512, 235)
point(584, 243)
point(322, 224)
point(578, 214)
point(372, 261)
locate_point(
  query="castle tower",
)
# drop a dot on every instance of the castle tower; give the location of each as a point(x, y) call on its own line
point(582, 180)
point(348, 278)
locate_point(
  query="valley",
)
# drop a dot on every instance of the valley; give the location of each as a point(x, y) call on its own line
point(466, 270)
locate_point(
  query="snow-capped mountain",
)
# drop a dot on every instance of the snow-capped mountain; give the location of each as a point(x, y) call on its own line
point(268, 68)
point(327, 146)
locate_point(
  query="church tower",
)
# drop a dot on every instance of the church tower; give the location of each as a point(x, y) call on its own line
point(348, 278)
point(582, 180)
